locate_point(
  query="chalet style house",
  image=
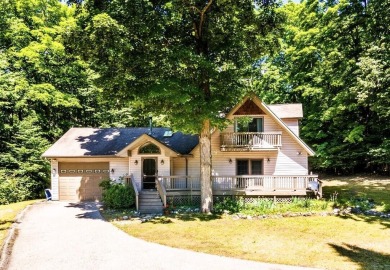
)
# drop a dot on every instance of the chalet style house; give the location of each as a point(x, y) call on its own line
point(260, 154)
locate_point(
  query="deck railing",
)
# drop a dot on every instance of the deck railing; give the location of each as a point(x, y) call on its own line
point(241, 182)
point(250, 140)
point(263, 182)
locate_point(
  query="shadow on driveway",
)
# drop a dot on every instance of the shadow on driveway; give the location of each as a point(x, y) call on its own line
point(91, 210)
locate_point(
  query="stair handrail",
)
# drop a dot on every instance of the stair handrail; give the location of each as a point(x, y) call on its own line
point(135, 191)
point(161, 191)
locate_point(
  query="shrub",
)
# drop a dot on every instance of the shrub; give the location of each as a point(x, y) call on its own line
point(117, 195)
point(228, 204)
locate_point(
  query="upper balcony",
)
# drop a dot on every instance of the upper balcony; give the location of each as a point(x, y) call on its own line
point(250, 141)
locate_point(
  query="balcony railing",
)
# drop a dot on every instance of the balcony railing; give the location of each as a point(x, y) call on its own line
point(246, 141)
point(248, 184)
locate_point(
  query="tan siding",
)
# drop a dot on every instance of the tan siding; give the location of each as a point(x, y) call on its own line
point(285, 161)
point(289, 162)
point(120, 167)
point(293, 124)
point(179, 166)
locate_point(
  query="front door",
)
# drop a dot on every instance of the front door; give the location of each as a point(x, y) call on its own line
point(149, 172)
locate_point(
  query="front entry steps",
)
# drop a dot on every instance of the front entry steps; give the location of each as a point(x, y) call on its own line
point(150, 202)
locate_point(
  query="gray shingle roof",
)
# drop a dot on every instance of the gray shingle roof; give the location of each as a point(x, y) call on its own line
point(287, 110)
point(79, 142)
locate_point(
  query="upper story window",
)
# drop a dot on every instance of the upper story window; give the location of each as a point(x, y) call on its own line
point(249, 124)
point(149, 148)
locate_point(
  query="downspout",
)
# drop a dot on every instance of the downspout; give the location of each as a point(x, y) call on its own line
point(186, 172)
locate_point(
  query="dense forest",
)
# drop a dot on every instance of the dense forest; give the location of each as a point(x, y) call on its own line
point(100, 63)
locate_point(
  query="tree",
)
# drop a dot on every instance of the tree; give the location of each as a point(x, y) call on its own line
point(185, 59)
point(44, 90)
point(335, 61)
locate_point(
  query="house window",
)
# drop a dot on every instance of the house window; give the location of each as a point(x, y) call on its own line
point(249, 167)
point(249, 124)
point(149, 148)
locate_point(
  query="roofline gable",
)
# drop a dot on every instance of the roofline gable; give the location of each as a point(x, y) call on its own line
point(146, 138)
point(279, 121)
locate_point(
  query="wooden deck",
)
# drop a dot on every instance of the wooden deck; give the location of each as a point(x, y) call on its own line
point(243, 185)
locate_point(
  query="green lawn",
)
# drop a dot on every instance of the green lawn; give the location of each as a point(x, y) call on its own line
point(8, 214)
point(347, 242)
point(373, 187)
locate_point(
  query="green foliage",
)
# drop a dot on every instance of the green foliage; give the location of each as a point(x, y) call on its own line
point(228, 204)
point(360, 201)
point(117, 195)
point(335, 60)
point(266, 206)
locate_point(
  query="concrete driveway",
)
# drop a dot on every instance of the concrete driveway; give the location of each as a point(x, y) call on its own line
point(58, 235)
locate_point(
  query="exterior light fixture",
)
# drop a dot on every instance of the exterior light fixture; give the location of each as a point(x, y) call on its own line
point(299, 153)
point(136, 162)
point(162, 162)
point(112, 170)
point(54, 171)
point(268, 159)
point(230, 161)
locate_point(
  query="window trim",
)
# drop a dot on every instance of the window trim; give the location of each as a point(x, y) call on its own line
point(250, 165)
point(146, 145)
point(235, 128)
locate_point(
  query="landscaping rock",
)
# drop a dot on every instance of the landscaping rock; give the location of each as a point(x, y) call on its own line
point(125, 217)
point(235, 217)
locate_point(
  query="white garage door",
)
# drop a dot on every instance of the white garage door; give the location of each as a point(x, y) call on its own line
point(80, 181)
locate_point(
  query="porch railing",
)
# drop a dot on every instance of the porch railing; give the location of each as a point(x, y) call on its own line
point(177, 183)
point(161, 191)
point(250, 140)
point(241, 182)
point(129, 180)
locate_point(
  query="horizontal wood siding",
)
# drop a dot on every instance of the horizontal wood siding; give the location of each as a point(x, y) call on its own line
point(178, 166)
point(292, 124)
point(289, 161)
point(284, 161)
point(221, 165)
point(120, 167)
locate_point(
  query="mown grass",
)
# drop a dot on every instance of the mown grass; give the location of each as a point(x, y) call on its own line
point(376, 188)
point(8, 215)
point(331, 242)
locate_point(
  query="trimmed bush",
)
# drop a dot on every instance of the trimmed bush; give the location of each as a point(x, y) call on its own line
point(117, 195)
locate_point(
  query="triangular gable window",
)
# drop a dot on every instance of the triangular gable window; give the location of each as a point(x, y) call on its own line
point(149, 148)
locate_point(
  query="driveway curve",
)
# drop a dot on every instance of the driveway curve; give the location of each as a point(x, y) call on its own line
point(60, 235)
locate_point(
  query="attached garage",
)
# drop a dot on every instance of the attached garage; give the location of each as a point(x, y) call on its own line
point(80, 181)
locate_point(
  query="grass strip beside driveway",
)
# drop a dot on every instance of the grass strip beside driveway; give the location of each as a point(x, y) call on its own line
point(8, 215)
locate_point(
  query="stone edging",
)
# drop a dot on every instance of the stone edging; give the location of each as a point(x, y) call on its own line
point(6, 248)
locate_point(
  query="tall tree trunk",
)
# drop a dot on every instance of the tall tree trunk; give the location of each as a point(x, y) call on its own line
point(206, 192)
